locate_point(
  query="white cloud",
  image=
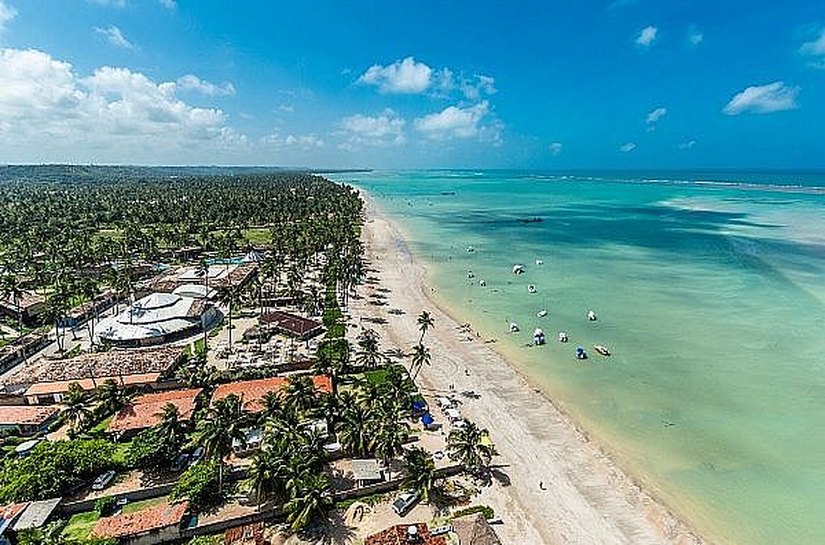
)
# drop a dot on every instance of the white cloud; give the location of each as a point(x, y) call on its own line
point(815, 50)
point(473, 88)
point(191, 82)
point(383, 129)
point(627, 148)
point(115, 37)
point(654, 117)
point(763, 99)
point(402, 77)
point(288, 108)
point(453, 122)
point(647, 36)
point(687, 145)
point(168, 4)
point(302, 141)
point(7, 13)
point(695, 36)
point(555, 148)
point(113, 114)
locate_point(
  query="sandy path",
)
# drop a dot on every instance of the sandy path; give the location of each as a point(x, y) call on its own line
point(587, 499)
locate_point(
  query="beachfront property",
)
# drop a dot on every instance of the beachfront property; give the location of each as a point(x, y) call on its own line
point(160, 318)
point(146, 411)
point(291, 324)
point(406, 534)
point(19, 517)
point(26, 420)
point(252, 392)
point(235, 273)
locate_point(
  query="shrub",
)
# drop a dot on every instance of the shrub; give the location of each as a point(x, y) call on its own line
point(199, 484)
point(106, 506)
point(486, 510)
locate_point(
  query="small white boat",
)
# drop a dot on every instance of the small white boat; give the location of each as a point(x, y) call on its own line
point(513, 327)
point(531, 288)
point(591, 315)
point(580, 353)
point(538, 337)
point(518, 269)
point(563, 337)
point(471, 249)
point(470, 274)
point(542, 313)
point(601, 349)
point(482, 283)
point(539, 262)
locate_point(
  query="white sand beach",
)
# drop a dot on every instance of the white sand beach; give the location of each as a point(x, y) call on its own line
point(584, 498)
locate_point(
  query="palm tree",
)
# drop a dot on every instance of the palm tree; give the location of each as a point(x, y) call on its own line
point(111, 397)
point(419, 472)
point(390, 434)
point(171, 429)
point(355, 430)
point(301, 395)
point(368, 354)
point(76, 413)
point(229, 295)
point(262, 477)
point(310, 501)
point(12, 287)
point(468, 447)
point(420, 356)
point(224, 422)
point(425, 323)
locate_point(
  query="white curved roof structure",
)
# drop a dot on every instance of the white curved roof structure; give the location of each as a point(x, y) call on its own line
point(196, 291)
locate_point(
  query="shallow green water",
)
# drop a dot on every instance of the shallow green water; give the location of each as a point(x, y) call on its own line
point(710, 295)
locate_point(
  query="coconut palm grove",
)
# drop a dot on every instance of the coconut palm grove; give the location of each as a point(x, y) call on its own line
point(179, 362)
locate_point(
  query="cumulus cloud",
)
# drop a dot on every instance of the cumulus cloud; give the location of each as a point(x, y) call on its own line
point(7, 13)
point(115, 37)
point(654, 117)
point(383, 129)
point(453, 122)
point(814, 50)
point(114, 111)
point(647, 36)
point(402, 77)
point(409, 76)
point(191, 82)
point(763, 99)
point(302, 141)
point(555, 148)
point(627, 148)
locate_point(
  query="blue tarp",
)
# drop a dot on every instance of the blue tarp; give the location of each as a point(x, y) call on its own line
point(427, 419)
point(419, 405)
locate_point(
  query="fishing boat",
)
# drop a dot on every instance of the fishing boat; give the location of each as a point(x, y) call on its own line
point(470, 274)
point(538, 337)
point(563, 336)
point(518, 269)
point(513, 327)
point(539, 262)
point(580, 353)
point(542, 313)
point(601, 349)
point(591, 315)
point(470, 249)
point(482, 283)
point(531, 288)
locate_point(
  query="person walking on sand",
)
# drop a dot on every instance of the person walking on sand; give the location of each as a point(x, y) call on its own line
point(541, 485)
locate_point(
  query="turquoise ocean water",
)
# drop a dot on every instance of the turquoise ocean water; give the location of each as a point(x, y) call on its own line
point(710, 292)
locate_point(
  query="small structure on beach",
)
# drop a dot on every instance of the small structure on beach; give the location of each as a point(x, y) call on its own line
point(366, 472)
point(474, 530)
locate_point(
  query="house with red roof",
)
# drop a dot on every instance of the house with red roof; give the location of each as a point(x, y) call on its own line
point(147, 411)
point(155, 524)
point(252, 392)
point(27, 419)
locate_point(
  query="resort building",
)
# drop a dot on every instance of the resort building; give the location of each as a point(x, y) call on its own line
point(292, 324)
point(30, 308)
point(252, 392)
point(25, 419)
point(154, 524)
point(46, 381)
point(218, 276)
point(157, 319)
point(147, 410)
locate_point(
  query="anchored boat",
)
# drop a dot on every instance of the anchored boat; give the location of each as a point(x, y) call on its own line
point(531, 289)
point(563, 337)
point(538, 337)
point(518, 269)
point(601, 349)
point(542, 313)
point(513, 327)
point(591, 315)
point(580, 353)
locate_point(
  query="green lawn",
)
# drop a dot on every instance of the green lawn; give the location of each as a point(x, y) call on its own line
point(80, 525)
point(257, 237)
point(134, 507)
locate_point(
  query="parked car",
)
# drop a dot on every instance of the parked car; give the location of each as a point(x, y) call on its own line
point(405, 502)
point(103, 480)
point(197, 456)
point(180, 462)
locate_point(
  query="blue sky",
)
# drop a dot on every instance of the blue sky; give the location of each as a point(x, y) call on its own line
point(532, 84)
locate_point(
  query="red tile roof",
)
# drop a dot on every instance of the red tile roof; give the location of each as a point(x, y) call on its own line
point(397, 535)
point(146, 410)
point(252, 392)
point(25, 415)
point(152, 518)
point(10, 512)
point(291, 323)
